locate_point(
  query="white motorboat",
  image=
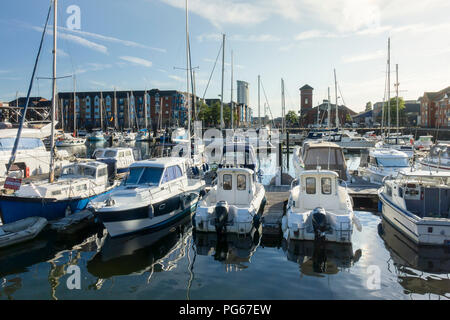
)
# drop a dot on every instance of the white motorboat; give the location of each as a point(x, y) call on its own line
point(438, 158)
point(118, 158)
point(327, 155)
point(348, 140)
point(69, 141)
point(417, 203)
point(239, 154)
point(424, 143)
point(156, 192)
point(96, 135)
point(319, 208)
point(233, 205)
point(403, 143)
point(384, 163)
point(21, 231)
point(179, 135)
point(129, 136)
point(143, 135)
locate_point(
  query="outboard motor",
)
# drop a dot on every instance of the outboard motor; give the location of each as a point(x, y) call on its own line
point(319, 222)
point(221, 212)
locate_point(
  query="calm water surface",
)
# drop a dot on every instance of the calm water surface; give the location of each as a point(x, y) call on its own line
point(179, 263)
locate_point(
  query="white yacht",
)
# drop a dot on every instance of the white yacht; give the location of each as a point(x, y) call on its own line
point(438, 158)
point(32, 158)
point(96, 135)
point(179, 135)
point(239, 154)
point(348, 140)
point(119, 158)
point(403, 143)
point(327, 155)
point(69, 141)
point(417, 203)
point(143, 135)
point(384, 163)
point(129, 135)
point(156, 192)
point(319, 208)
point(233, 205)
point(424, 143)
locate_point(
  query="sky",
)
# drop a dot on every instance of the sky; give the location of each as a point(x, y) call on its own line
point(140, 44)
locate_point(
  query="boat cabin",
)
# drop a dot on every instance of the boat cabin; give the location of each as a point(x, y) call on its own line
point(236, 186)
point(157, 172)
point(327, 155)
point(389, 158)
point(318, 188)
point(239, 155)
point(421, 193)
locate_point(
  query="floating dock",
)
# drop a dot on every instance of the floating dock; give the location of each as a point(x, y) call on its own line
point(276, 200)
point(364, 194)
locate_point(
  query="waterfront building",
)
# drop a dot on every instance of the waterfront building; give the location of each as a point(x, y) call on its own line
point(435, 109)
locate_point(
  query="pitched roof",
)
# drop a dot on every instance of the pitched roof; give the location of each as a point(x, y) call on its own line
point(433, 96)
point(306, 87)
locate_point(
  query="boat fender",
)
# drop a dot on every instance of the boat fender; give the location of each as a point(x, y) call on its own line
point(357, 223)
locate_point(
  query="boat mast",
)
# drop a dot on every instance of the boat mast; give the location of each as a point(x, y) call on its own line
point(145, 109)
point(52, 138)
point(188, 72)
point(128, 111)
point(329, 109)
point(396, 92)
point(222, 124)
point(231, 103)
point(283, 111)
point(259, 100)
point(74, 107)
point(116, 122)
point(389, 86)
point(101, 110)
point(335, 92)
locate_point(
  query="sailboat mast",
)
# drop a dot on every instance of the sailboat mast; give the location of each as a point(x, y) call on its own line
point(52, 138)
point(259, 100)
point(74, 107)
point(188, 72)
point(335, 92)
point(145, 109)
point(116, 121)
point(329, 109)
point(389, 86)
point(396, 92)
point(283, 109)
point(101, 110)
point(223, 72)
point(231, 101)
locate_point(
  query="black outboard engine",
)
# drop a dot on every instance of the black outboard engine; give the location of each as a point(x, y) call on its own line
point(319, 222)
point(221, 212)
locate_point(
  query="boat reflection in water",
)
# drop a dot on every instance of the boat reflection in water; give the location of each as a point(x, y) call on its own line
point(19, 260)
point(231, 249)
point(420, 269)
point(148, 251)
point(320, 257)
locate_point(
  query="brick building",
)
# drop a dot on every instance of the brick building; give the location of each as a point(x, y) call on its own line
point(435, 109)
point(121, 108)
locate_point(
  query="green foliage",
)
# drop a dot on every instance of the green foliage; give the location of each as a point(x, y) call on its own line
point(210, 115)
point(393, 108)
point(291, 117)
point(368, 106)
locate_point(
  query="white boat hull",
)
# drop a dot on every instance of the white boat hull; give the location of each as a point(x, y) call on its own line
point(427, 231)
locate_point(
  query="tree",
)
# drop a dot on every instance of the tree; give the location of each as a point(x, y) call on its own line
point(291, 117)
point(348, 118)
point(393, 108)
point(368, 106)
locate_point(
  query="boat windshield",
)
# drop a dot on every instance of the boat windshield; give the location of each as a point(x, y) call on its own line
point(98, 154)
point(79, 171)
point(148, 176)
point(393, 162)
point(110, 154)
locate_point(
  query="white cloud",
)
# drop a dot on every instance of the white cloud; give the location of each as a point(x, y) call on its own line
point(127, 43)
point(364, 57)
point(177, 78)
point(312, 34)
point(138, 61)
point(239, 37)
point(89, 67)
point(79, 40)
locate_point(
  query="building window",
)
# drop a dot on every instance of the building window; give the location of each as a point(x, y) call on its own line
point(306, 100)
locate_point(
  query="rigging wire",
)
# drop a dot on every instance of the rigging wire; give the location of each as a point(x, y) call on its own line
point(210, 76)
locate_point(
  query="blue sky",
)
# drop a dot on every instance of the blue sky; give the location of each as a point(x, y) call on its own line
point(137, 45)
